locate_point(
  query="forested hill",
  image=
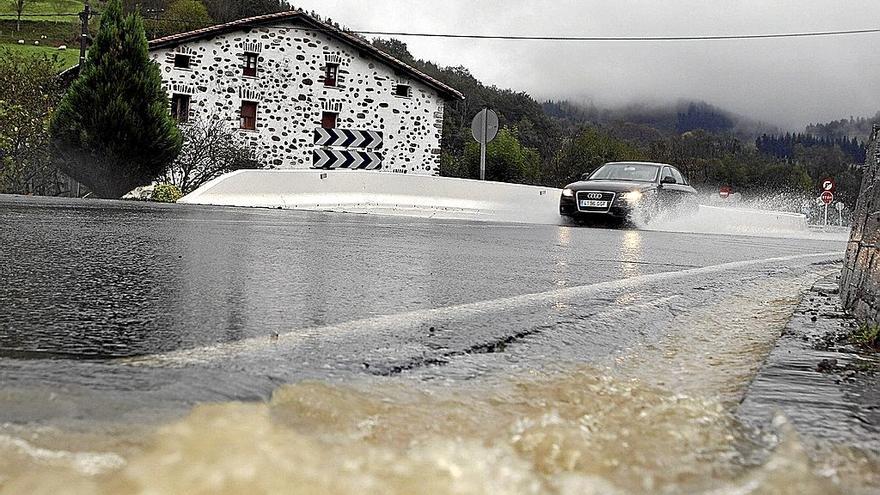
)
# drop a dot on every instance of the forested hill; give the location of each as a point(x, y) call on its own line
point(670, 119)
point(786, 146)
point(858, 128)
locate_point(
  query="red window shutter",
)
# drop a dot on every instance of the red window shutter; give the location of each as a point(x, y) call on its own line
point(248, 115)
point(180, 107)
point(330, 75)
point(328, 120)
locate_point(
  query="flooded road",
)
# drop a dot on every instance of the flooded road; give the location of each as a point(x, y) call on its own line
point(150, 349)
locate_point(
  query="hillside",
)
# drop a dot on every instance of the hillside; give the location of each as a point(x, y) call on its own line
point(668, 120)
point(859, 128)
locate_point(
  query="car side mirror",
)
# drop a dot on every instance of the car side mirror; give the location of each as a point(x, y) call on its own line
point(585, 176)
point(668, 180)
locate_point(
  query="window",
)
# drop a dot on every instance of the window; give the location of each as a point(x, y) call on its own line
point(667, 175)
point(679, 179)
point(250, 64)
point(641, 172)
point(330, 73)
point(180, 107)
point(249, 115)
point(328, 120)
point(181, 61)
point(403, 90)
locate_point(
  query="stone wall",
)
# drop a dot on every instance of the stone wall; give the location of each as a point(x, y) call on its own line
point(290, 94)
point(860, 281)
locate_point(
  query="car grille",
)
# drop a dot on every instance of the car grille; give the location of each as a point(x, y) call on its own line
point(606, 196)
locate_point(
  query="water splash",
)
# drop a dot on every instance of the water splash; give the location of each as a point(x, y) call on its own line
point(576, 432)
point(773, 215)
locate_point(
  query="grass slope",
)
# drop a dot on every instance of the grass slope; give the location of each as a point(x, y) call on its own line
point(41, 10)
point(66, 58)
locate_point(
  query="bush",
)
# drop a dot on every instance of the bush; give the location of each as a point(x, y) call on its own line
point(507, 160)
point(30, 93)
point(166, 193)
point(868, 335)
point(211, 149)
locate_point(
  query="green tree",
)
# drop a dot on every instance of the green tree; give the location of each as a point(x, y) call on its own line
point(230, 10)
point(586, 152)
point(507, 160)
point(182, 16)
point(31, 92)
point(18, 7)
point(113, 131)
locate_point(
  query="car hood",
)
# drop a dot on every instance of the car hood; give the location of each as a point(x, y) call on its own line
point(610, 185)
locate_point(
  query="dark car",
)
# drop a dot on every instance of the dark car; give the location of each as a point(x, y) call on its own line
point(621, 189)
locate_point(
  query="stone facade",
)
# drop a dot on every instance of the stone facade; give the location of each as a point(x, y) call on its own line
point(860, 281)
point(370, 96)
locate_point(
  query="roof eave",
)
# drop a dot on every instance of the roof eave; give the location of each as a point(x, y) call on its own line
point(447, 92)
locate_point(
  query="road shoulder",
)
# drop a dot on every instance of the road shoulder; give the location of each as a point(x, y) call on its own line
point(826, 386)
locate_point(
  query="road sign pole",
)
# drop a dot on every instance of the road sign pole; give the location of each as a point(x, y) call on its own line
point(826, 214)
point(483, 145)
point(484, 128)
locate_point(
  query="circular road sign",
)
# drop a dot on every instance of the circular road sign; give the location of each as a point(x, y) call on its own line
point(486, 120)
point(724, 192)
point(828, 185)
point(827, 197)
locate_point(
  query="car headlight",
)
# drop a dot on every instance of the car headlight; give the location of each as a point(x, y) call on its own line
point(633, 196)
point(567, 193)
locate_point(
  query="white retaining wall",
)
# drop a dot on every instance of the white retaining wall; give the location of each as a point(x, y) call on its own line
point(759, 220)
point(382, 193)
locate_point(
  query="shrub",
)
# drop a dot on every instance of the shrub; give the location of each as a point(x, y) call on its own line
point(30, 94)
point(868, 336)
point(166, 193)
point(211, 149)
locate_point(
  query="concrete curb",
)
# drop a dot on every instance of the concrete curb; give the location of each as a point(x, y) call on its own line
point(827, 387)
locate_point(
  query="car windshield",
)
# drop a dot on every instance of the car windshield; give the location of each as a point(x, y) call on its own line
point(639, 172)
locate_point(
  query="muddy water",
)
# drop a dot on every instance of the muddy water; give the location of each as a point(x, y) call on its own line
point(582, 432)
point(655, 419)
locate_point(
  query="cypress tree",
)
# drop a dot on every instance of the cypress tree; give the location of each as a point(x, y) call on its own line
point(113, 131)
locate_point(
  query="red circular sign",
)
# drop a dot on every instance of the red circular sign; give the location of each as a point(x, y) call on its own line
point(827, 197)
point(827, 185)
point(724, 192)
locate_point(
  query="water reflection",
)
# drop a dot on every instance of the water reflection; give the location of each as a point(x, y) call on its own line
point(631, 256)
point(561, 269)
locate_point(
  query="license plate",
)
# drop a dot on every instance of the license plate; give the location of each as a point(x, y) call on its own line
point(589, 203)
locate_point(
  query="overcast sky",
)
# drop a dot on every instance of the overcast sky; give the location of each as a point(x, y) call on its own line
point(788, 82)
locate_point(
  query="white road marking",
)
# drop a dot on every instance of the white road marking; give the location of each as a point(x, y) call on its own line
point(214, 352)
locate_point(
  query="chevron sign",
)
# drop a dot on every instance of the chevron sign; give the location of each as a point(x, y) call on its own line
point(348, 138)
point(330, 159)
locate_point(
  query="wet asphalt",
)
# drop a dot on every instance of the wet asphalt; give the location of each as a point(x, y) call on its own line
point(223, 303)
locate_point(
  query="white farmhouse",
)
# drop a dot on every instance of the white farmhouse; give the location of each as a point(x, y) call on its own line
point(304, 94)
